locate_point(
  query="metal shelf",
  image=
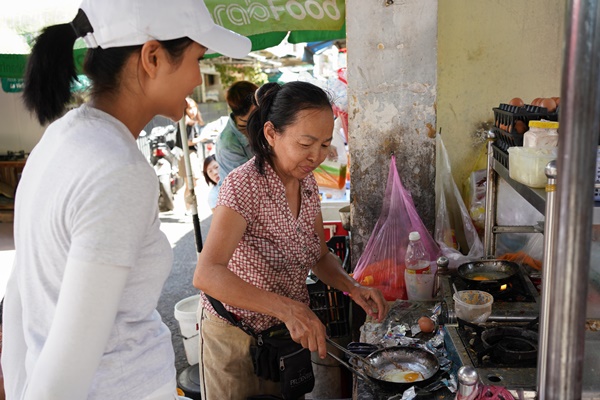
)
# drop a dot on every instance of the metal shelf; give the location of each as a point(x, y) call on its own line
point(535, 197)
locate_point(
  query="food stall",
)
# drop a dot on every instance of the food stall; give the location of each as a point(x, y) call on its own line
point(567, 343)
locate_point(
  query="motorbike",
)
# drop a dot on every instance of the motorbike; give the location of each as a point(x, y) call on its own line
point(164, 157)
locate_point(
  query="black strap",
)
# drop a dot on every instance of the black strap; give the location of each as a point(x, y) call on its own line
point(81, 24)
point(222, 311)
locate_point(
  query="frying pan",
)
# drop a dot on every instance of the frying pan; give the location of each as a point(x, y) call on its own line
point(381, 366)
point(488, 271)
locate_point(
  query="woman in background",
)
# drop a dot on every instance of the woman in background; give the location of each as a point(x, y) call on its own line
point(211, 176)
point(193, 125)
point(80, 318)
point(232, 148)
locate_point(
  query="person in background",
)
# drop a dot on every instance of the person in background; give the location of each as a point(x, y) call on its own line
point(193, 125)
point(211, 176)
point(232, 148)
point(265, 236)
point(80, 318)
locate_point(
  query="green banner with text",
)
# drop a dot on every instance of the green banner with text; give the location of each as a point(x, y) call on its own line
point(253, 17)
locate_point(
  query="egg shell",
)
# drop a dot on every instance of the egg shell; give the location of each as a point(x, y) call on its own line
point(521, 127)
point(548, 104)
point(517, 101)
point(426, 324)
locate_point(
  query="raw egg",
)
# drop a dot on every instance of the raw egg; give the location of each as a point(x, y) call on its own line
point(426, 324)
point(521, 127)
point(399, 376)
point(517, 101)
point(548, 104)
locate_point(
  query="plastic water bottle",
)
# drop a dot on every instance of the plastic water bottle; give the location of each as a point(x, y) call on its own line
point(418, 278)
point(417, 258)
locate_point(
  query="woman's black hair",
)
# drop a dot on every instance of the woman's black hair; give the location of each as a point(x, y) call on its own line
point(281, 105)
point(50, 72)
point(207, 162)
point(51, 69)
point(239, 97)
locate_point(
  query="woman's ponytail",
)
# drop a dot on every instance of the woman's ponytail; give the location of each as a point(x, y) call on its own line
point(263, 99)
point(50, 72)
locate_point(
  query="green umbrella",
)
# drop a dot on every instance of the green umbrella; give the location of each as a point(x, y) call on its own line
point(265, 22)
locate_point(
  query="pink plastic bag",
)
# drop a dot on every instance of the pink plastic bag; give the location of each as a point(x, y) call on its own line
point(382, 263)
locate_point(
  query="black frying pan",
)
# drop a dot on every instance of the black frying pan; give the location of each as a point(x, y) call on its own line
point(389, 365)
point(488, 271)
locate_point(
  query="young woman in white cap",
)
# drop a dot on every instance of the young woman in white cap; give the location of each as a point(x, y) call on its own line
point(80, 319)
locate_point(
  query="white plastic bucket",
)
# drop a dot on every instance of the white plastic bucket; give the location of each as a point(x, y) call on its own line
point(185, 314)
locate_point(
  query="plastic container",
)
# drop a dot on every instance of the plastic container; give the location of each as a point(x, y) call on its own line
point(527, 164)
point(541, 134)
point(420, 287)
point(185, 314)
point(473, 305)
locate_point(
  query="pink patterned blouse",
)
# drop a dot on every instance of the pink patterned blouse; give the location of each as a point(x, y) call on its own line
point(277, 250)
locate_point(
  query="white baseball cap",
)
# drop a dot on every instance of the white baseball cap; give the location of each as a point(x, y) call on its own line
point(134, 22)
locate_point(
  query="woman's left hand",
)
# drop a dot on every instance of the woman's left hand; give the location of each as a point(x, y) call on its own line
point(371, 300)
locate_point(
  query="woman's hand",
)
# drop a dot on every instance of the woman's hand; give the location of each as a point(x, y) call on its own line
point(371, 300)
point(307, 329)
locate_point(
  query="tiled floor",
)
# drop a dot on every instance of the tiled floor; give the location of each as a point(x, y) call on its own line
point(7, 251)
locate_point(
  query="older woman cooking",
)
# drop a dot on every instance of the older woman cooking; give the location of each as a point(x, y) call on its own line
point(266, 234)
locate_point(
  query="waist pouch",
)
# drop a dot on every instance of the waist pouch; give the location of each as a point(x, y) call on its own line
point(276, 357)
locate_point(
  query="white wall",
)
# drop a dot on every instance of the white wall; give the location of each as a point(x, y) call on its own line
point(19, 130)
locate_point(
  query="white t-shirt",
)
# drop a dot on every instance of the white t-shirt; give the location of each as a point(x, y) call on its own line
point(87, 191)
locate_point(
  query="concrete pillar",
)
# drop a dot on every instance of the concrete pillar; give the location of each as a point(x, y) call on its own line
point(392, 84)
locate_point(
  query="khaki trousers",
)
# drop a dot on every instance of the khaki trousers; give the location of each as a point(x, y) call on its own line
point(226, 370)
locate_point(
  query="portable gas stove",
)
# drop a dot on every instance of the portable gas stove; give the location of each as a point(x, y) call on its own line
point(503, 350)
